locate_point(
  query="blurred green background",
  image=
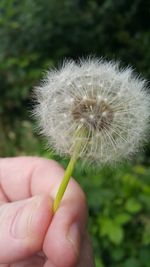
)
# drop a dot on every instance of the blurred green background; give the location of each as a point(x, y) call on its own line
point(38, 34)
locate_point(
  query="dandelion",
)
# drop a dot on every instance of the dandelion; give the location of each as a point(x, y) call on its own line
point(92, 110)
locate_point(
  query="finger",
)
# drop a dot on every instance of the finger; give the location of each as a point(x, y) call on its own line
point(23, 225)
point(86, 256)
point(49, 264)
point(23, 177)
point(63, 241)
point(34, 261)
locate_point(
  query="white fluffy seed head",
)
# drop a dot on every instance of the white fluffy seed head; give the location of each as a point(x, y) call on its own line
point(112, 104)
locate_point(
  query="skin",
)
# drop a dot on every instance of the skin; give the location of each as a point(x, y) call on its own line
point(30, 234)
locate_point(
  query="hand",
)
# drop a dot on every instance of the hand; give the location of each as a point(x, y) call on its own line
point(30, 235)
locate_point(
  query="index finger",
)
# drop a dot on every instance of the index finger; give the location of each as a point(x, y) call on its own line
point(23, 177)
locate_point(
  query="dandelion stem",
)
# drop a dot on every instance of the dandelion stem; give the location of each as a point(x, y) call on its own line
point(69, 170)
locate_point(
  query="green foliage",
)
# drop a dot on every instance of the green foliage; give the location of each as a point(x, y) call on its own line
point(120, 221)
point(38, 34)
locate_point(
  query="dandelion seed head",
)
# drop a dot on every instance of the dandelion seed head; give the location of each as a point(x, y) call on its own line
point(112, 104)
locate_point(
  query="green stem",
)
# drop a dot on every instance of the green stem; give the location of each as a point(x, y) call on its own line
point(68, 172)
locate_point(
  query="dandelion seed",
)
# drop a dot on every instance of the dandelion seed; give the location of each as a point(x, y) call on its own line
point(104, 114)
point(65, 115)
point(91, 116)
point(84, 97)
point(99, 97)
point(89, 83)
point(107, 119)
point(82, 120)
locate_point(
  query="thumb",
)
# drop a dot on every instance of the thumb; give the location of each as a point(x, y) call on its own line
point(23, 225)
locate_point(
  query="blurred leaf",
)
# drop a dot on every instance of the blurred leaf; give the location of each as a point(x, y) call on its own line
point(111, 229)
point(133, 206)
point(123, 218)
point(98, 263)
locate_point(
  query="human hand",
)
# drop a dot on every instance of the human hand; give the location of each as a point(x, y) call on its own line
point(30, 235)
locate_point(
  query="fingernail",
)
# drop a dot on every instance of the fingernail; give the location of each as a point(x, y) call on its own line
point(23, 223)
point(74, 236)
